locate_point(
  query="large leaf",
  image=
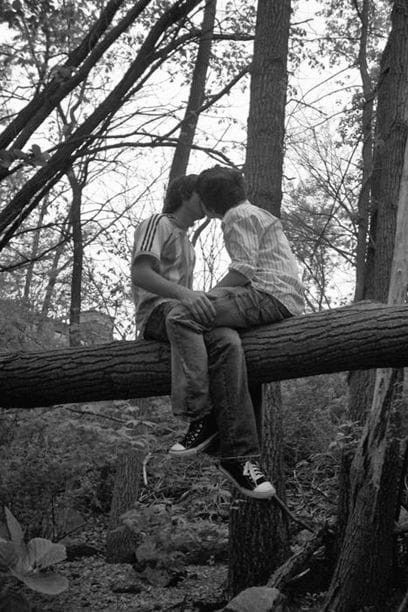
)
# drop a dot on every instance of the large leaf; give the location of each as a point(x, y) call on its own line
point(43, 553)
point(14, 527)
point(50, 584)
point(8, 555)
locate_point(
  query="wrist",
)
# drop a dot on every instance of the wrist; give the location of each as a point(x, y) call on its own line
point(180, 292)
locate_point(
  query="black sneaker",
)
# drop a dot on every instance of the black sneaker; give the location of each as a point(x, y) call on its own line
point(199, 435)
point(248, 476)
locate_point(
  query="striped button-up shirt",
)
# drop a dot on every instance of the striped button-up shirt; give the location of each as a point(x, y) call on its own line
point(260, 251)
point(173, 256)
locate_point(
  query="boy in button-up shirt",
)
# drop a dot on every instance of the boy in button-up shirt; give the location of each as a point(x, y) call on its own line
point(262, 286)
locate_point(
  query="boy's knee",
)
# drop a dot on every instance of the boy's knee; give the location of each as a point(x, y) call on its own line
point(179, 313)
point(225, 338)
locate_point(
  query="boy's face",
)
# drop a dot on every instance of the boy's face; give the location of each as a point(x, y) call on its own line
point(196, 206)
point(210, 213)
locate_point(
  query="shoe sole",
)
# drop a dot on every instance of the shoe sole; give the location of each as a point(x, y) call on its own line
point(188, 452)
point(248, 492)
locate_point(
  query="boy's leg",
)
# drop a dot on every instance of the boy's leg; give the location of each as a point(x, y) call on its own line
point(235, 307)
point(243, 307)
point(201, 431)
point(189, 364)
point(230, 395)
point(235, 414)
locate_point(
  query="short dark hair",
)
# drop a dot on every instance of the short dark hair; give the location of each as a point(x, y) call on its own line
point(221, 188)
point(179, 189)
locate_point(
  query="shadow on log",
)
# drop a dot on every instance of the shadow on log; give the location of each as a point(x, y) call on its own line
point(361, 336)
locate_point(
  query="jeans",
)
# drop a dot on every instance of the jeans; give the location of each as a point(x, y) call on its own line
point(208, 362)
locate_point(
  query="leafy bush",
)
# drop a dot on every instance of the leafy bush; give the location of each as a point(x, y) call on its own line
point(313, 410)
point(53, 460)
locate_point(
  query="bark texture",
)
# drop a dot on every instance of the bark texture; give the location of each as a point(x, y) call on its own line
point(365, 335)
point(197, 94)
point(258, 532)
point(266, 120)
point(363, 574)
point(258, 539)
point(121, 541)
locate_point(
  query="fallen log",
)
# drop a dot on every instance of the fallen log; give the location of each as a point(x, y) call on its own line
point(361, 336)
point(299, 561)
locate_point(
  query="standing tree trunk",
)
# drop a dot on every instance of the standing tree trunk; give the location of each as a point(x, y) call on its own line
point(258, 532)
point(196, 97)
point(54, 271)
point(364, 200)
point(361, 382)
point(364, 568)
point(121, 541)
point(34, 252)
point(77, 260)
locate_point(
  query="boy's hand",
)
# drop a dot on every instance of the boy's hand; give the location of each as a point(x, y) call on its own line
point(199, 304)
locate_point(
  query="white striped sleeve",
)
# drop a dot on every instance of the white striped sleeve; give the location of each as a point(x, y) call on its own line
point(150, 236)
point(241, 242)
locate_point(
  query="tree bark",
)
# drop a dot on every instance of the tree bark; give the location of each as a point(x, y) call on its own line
point(258, 532)
point(362, 576)
point(361, 382)
point(196, 97)
point(266, 120)
point(121, 541)
point(258, 538)
point(77, 259)
point(362, 335)
point(364, 200)
point(34, 251)
point(300, 560)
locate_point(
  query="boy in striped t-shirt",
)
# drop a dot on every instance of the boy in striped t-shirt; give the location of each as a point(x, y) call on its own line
point(262, 286)
point(163, 260)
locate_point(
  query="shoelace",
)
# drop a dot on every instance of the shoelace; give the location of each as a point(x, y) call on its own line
point(253, 470)
point(193, 434)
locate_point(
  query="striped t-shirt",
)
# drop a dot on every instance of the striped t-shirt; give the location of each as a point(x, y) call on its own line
point(173, 255)
point(259, 250)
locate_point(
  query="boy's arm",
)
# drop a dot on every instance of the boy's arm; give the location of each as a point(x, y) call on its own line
point(242, 244)
point(233, 278)
point(145, 276)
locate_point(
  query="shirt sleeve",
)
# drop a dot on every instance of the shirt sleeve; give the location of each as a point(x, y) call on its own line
point(241, 242)
point(150, 236)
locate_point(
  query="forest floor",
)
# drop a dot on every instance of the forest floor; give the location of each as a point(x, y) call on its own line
point(183, 508)
point(98, 586)
point(94, 586)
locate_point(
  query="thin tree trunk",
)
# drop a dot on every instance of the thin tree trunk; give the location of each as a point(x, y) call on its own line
point(34, 251)
point(77, 260)
point(361, 382)
point(53, 274)
point(364, 201)
point(258, 531)
point(197, 92)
